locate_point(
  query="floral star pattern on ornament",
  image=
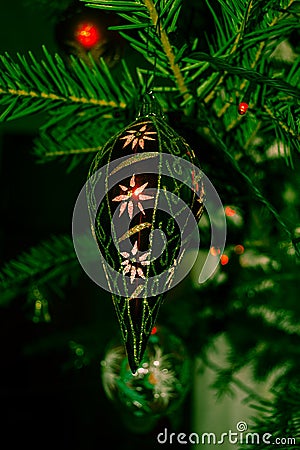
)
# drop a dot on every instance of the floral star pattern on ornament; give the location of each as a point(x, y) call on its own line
point(134, 193)
point(138, 137)
point(131, 265)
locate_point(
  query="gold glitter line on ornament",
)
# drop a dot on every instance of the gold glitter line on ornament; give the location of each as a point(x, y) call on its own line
point(134, 230)
point(93, 233)
point(155, 208)
point(137, 291)
point(135, 158)
point(107, 277)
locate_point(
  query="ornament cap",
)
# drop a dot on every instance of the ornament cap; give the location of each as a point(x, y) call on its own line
point(149, 106)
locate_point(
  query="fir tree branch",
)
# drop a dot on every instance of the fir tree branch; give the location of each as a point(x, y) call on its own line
point(252, 137)
point(116, 5)
point(74, 151)
point(289, 130)
point(20, 93)
point(258, 194)
point(281, 319)
point(86, 137)
point(271, 31)
point(73, 156)
point(233, 49)
point(236, 381)
point(258, 55)
point(163, 16)
point(166, 45)
point(48, 260)
point(246, 40)
point(281, 419)
point(219, 64)
point(50, 84)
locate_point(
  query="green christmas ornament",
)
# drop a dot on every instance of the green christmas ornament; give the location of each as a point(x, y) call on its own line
point(159, 386)
point(142, 225)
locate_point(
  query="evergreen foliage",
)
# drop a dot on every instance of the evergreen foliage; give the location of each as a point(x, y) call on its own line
point(199, 78)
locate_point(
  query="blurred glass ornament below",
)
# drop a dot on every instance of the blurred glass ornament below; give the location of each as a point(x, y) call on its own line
point(159, 386)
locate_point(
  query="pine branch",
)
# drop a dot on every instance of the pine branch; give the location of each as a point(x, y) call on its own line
point(196, 59)
point(281, 319)
point(287, 136)
point(75, 143)
point(154, 43)
point(241, 23)
point(281, 419)
point(168, 49)
point(281, 116)
point(131, 6)
point(234, 39)
point(256, 191)
point(29, 86)
point(276, 29)
point(287, 121)
point(226, 377)
point(72, 151)
point(49, 260)
point(46, 149)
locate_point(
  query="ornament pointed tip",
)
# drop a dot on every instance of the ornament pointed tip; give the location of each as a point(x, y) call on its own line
point(133, 366)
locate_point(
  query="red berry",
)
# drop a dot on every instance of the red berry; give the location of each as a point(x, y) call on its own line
point(243, 108)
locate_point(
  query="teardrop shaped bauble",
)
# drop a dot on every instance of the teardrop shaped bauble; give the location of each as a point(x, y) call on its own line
point(136, 198)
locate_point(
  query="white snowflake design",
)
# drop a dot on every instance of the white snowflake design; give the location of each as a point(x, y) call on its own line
point(130, 194)
point(131, 265)
point(138, 137)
